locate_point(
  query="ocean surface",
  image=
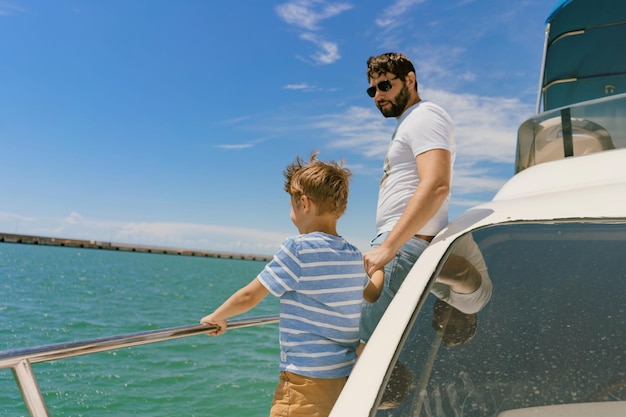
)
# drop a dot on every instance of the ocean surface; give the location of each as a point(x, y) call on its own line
point(60, 294)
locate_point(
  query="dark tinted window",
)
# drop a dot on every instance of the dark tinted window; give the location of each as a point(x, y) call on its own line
point(553, 332)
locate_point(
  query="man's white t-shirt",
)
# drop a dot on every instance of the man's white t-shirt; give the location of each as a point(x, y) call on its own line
point(423, 127)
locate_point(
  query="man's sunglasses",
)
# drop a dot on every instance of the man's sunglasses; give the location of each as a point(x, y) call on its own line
point(384, 85)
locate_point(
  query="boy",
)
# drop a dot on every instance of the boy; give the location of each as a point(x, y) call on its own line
point(321, 282)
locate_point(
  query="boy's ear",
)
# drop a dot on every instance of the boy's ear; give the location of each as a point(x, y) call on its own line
point(305, 203)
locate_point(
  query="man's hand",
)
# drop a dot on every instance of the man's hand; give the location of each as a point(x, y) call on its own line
point(376, 259)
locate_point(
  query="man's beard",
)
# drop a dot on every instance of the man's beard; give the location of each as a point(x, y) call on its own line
point(398, 105)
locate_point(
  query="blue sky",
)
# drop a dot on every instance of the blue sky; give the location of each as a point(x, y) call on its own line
point(169, 123)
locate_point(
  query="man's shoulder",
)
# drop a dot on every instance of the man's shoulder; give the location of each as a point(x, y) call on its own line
point(429, 108)
point(425, 116)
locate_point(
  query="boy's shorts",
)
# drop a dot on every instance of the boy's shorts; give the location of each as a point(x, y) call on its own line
point(302, 396)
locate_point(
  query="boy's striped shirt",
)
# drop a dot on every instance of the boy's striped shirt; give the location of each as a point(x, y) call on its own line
point(320, 280)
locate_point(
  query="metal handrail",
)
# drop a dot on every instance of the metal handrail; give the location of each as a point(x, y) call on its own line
point(21, 359)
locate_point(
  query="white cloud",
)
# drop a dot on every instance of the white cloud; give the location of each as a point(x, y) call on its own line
point(468, 76)
point(74, 218)
point(12, 222)
point(302, 86)
point(469, 180)
point(240, 146)
point(360, 129)
point(235, 120)
point(392, 14)
point(10, 9)
point(437, 63)
point(297, 14)
point(202, 236)
point(328, 52)
point(307, 87)
point(236, 146)
point(486, 127)
point(307, 16)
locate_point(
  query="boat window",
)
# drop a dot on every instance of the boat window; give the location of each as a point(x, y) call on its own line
point(549, 329)
point(589, 127)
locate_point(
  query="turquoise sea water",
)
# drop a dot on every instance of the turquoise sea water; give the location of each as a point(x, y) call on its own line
point(56, 294)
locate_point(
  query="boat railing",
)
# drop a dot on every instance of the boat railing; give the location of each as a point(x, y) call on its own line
point(20, 360)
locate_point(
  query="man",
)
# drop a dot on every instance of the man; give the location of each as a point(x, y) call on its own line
point(415, 187)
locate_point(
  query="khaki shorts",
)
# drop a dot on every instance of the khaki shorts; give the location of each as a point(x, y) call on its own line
point(302, 396)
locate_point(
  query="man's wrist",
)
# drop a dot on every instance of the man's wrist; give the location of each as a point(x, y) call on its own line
point(392, 244)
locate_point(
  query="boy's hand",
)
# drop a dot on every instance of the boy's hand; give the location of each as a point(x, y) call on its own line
point(376, 258)
point(211, 319)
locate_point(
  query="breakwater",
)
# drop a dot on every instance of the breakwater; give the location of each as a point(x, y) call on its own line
point(93, 244)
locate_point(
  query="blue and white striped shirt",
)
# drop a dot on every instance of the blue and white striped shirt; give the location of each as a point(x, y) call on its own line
point(320, 280)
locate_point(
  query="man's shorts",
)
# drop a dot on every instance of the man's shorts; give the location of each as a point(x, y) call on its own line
point(395, 273)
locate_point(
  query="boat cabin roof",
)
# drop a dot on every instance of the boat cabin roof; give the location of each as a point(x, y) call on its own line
point(583, 52)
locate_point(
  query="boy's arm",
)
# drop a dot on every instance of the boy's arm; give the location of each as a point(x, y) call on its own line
point(240, 302)
point(374, 286)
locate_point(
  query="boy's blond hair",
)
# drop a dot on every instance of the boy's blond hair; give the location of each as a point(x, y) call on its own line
point(325, 183)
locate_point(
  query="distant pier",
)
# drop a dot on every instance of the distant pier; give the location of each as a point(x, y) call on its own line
point(123, 247)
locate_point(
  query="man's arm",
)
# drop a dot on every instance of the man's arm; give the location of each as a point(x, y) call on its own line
point(434, 168)
point(243, 300)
